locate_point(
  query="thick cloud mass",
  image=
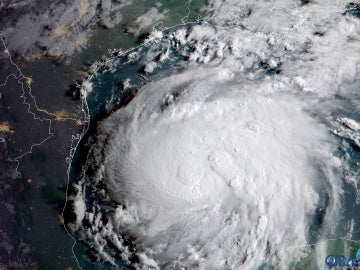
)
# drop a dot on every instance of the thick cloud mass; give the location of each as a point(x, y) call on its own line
point(235, 155)
point(210, 173)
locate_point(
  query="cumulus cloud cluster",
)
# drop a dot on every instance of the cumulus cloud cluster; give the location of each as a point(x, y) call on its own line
point(147, 20)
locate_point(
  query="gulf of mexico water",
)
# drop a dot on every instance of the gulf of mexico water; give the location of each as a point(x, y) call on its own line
point(119, 79)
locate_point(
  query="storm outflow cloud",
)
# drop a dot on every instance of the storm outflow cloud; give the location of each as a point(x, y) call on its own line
point(58, 28)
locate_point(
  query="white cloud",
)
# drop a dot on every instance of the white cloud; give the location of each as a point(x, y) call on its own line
point(226, 163)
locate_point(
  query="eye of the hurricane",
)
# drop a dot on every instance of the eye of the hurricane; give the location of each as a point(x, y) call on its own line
point(204, 179)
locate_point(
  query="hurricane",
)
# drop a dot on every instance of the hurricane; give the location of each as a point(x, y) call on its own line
point(222, 143)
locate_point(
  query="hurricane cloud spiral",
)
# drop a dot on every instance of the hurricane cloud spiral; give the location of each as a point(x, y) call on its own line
point(231, 159)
